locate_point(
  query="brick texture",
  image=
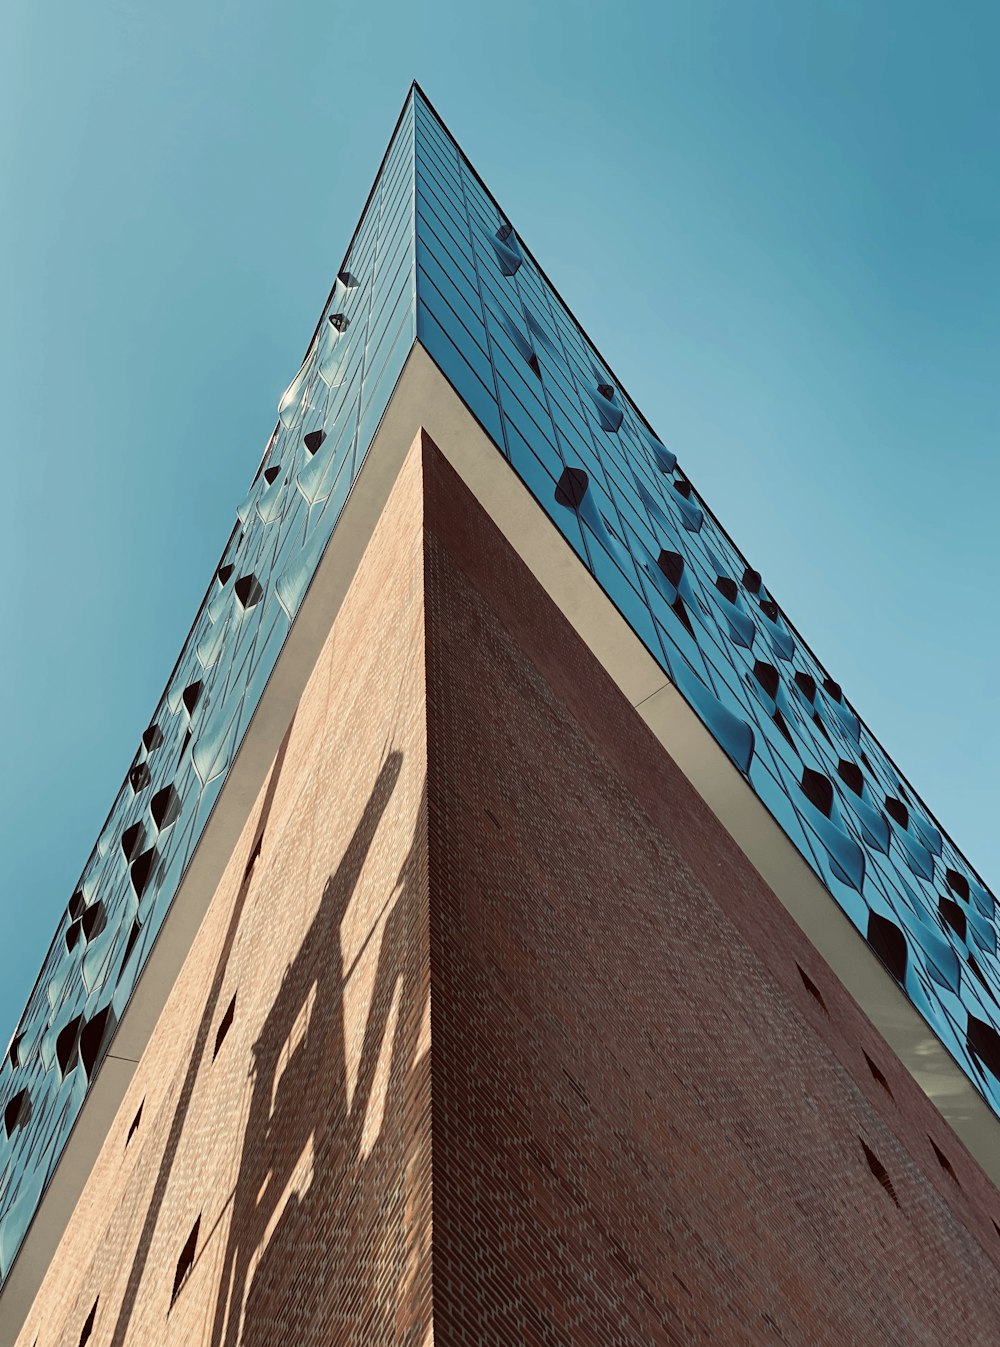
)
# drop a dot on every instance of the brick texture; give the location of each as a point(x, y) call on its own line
point(640, 1103)
point(646, 1128)
point(303, 1146)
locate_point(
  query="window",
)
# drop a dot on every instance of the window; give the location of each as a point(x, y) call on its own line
point(944, 1162)
point(17, 1112)
point(877, 1075)
point(812, 989)
point(164, 807)
point(134, 1125)
point(88, 1327)
point(224, 1026)
point(879, 1170)
point(248, 591)
point(186, 1262)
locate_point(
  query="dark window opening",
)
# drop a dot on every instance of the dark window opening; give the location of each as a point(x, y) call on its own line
point(94, 920)
point(681, 613)
point(897, 810)
point(833, 689)
point(248, 591)
point(878, 1076)
point(77, 903)
point(152, 738)
point(889, 943)
point(504, 232)
point(767, 676)
point(953, 916)
point(727, 588)
point(67, 1045)
point(133, 936)
point(806, 685)
point(73, 934)
point(944, 1162)
point(138, 777)
point(572, 487)
point(683, 487)
point(164, 807)
point(818, 790)
point(313, 440)
point(672, 566)
point(770, 609)
point(345, 278)
point(534, 366)
point(851, 775)
point(270, 474)
point(879, 1170)
point(957, 883)
point(14, 1051)
point(253, 858)
point(141, 871)
point(95, 1038)
point(88, 1327)
point(812, 989)
point(606, 391)
point(132, 840)
point(186, 1262)
point(191, 694)
point(134, 1127)
point(184, 743)
point(224, 1026)
point(223, 573)
point(17, 1112)
point(339, 322)
point(752, 580)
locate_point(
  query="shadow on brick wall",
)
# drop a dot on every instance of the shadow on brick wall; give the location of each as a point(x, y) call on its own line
point(330, 1228)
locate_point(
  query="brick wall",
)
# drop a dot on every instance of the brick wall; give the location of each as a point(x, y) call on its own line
point(647, 1129)
point(303, 1147)
point(647, 1102)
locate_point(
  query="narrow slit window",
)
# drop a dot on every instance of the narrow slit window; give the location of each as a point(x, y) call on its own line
point(253, 858)
point(944, 1162)
point(879, 1170)
point(877, 1075)
point(812, 989)
point(88, 1327)
point(134, 1126)
point(224, 1026)
point(186, 1262)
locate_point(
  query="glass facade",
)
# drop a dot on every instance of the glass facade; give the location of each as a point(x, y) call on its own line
point(435, 259)
point(326, 421)
point(513, 351)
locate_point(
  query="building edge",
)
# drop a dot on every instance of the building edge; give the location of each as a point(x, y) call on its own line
point(424, 405)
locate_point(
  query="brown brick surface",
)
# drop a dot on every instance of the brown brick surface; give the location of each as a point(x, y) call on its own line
point(646, 1129)
point(304, 1146)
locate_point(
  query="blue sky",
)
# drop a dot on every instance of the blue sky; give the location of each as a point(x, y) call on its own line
point(779, 221)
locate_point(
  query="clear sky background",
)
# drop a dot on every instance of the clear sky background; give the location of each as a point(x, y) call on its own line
point(777, 219)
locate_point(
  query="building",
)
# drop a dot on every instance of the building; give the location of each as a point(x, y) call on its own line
point(507, 932)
